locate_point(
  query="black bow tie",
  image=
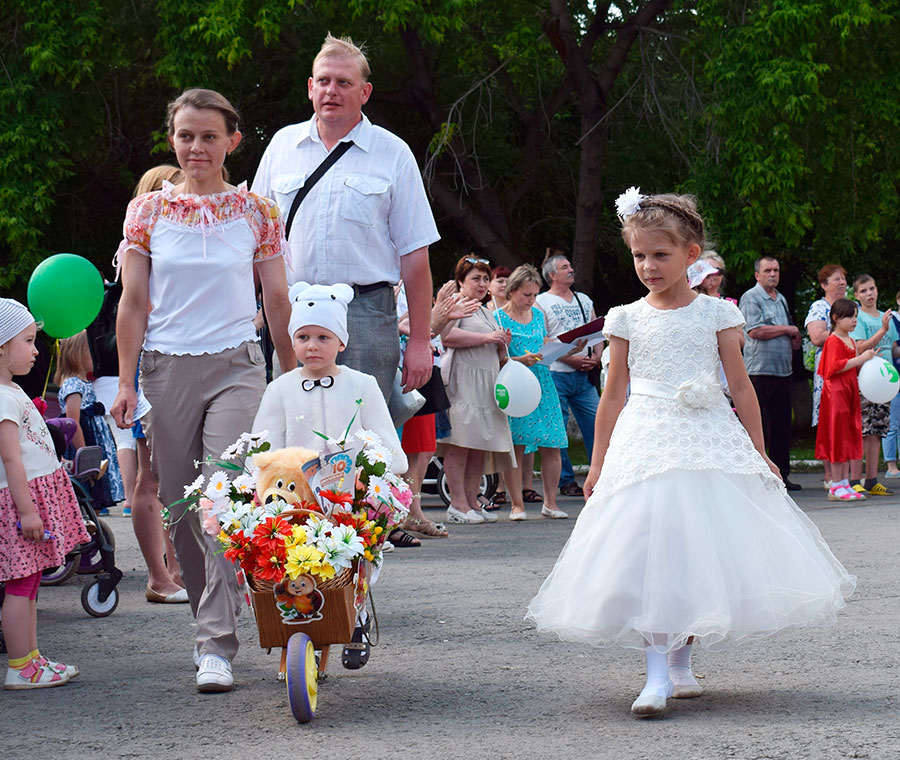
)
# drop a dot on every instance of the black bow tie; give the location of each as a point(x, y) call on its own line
point(325, 382)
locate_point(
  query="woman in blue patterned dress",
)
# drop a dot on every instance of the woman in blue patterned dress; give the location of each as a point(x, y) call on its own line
point(543, 429)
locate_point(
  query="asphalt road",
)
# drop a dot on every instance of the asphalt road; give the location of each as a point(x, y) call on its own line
point(458, 674)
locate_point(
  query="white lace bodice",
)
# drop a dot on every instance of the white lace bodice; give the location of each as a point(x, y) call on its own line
point(654, 434)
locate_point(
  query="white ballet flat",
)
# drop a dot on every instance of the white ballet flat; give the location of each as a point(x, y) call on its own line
point(652, 700)
point(556, 514)
point(514, 516)
point(685, 686)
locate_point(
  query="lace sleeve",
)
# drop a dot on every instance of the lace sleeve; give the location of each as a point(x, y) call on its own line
point(727, 315)
point(616, 323)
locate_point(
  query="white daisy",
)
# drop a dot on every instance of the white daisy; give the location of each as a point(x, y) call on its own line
point(245, 484)
point(379, 489)
point(195, 486)
point(219, 485)
point(368, 437)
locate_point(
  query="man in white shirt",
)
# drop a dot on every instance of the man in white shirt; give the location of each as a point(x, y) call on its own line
point(566, 310)
point(367, 221)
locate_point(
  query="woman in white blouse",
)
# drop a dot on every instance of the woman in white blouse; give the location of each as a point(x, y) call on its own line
point(188, 258)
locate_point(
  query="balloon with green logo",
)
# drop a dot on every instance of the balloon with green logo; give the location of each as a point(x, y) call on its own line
point(65, 292)
point(517, 390)
point(878, 380)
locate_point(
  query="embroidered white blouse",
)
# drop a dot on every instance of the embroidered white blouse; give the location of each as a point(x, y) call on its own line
point(202, 250)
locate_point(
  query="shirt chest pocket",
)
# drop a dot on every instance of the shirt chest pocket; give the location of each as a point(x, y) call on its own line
point(284, 188)
point(364, 200)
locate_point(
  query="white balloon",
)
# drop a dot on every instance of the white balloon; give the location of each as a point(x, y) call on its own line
point(517, 390)
point(878, 380)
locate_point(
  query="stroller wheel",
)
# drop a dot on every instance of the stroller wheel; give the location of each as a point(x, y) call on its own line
point(54, 576)
point(92, 562)
point(90, 600)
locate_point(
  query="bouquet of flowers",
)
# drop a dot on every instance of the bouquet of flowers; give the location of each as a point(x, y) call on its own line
point(278, 541)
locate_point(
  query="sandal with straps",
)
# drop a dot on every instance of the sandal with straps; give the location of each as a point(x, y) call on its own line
point(403, 540)
point(423, 529)
point(530, 496)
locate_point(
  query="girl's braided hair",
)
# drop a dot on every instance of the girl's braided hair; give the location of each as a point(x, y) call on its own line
point(675, 216)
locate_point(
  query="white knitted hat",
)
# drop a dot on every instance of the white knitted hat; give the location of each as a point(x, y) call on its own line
point(13, 319)
point(320, 305)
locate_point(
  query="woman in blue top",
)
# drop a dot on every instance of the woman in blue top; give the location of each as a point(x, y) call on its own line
point(542, 429)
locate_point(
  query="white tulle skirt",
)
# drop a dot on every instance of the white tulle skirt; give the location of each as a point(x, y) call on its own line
point(707, 554)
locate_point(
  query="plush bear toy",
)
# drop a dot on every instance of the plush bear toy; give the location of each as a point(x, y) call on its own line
point(281, 477)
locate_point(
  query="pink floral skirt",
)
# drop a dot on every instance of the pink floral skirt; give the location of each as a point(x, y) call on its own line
point(58, 508)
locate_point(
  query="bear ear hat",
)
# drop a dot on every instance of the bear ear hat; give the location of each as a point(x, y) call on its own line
point(342, 292)
point(296, 289)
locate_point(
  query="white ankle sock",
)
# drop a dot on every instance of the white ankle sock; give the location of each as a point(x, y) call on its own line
point(657, 670)
point(679, 662)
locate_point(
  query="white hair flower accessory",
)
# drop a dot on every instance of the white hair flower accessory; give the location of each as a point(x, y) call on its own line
point(629, 202)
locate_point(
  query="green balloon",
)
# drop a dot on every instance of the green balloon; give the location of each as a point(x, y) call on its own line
point(65, 292)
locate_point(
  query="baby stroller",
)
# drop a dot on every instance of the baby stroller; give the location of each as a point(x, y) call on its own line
point(435, 481)
point(97, 556)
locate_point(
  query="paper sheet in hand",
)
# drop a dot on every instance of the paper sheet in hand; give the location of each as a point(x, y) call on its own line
point(552, 351)
point(142, 406)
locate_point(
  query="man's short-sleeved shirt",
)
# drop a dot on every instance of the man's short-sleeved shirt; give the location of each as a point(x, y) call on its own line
point(562, 316)
point(766, 357)
point(367, 210)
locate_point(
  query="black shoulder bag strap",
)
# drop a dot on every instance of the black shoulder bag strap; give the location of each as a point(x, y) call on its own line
point(329, 161)
point(583, 315)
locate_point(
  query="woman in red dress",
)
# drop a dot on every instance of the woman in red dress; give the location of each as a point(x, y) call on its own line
point(839, 433)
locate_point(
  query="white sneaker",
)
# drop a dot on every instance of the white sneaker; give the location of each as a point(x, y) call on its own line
point(487, 516)
point(214, 674)
point(472, 517)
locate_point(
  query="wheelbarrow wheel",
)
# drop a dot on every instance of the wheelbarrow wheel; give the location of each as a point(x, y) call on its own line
point(302, 677)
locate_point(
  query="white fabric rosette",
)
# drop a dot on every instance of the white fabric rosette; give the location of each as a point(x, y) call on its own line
point(699, 393)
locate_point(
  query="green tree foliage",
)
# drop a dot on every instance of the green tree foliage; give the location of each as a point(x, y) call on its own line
point(527, 116)
point(802, 102)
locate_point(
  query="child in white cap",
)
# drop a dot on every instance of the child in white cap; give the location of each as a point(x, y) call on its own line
point(321, 396)
point(40, 521)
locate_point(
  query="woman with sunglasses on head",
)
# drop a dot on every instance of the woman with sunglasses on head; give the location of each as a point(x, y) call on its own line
point(480, 440)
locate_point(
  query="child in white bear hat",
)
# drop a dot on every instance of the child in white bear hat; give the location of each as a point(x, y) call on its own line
point(321, 396)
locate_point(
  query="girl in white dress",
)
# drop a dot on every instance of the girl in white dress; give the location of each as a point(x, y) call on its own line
point(656, 562)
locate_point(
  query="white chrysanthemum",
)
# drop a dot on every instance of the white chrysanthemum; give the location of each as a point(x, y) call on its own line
point(195, 486)
point(219, 485)
point(379, 489)
point(368, 437)
point(629, 202)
